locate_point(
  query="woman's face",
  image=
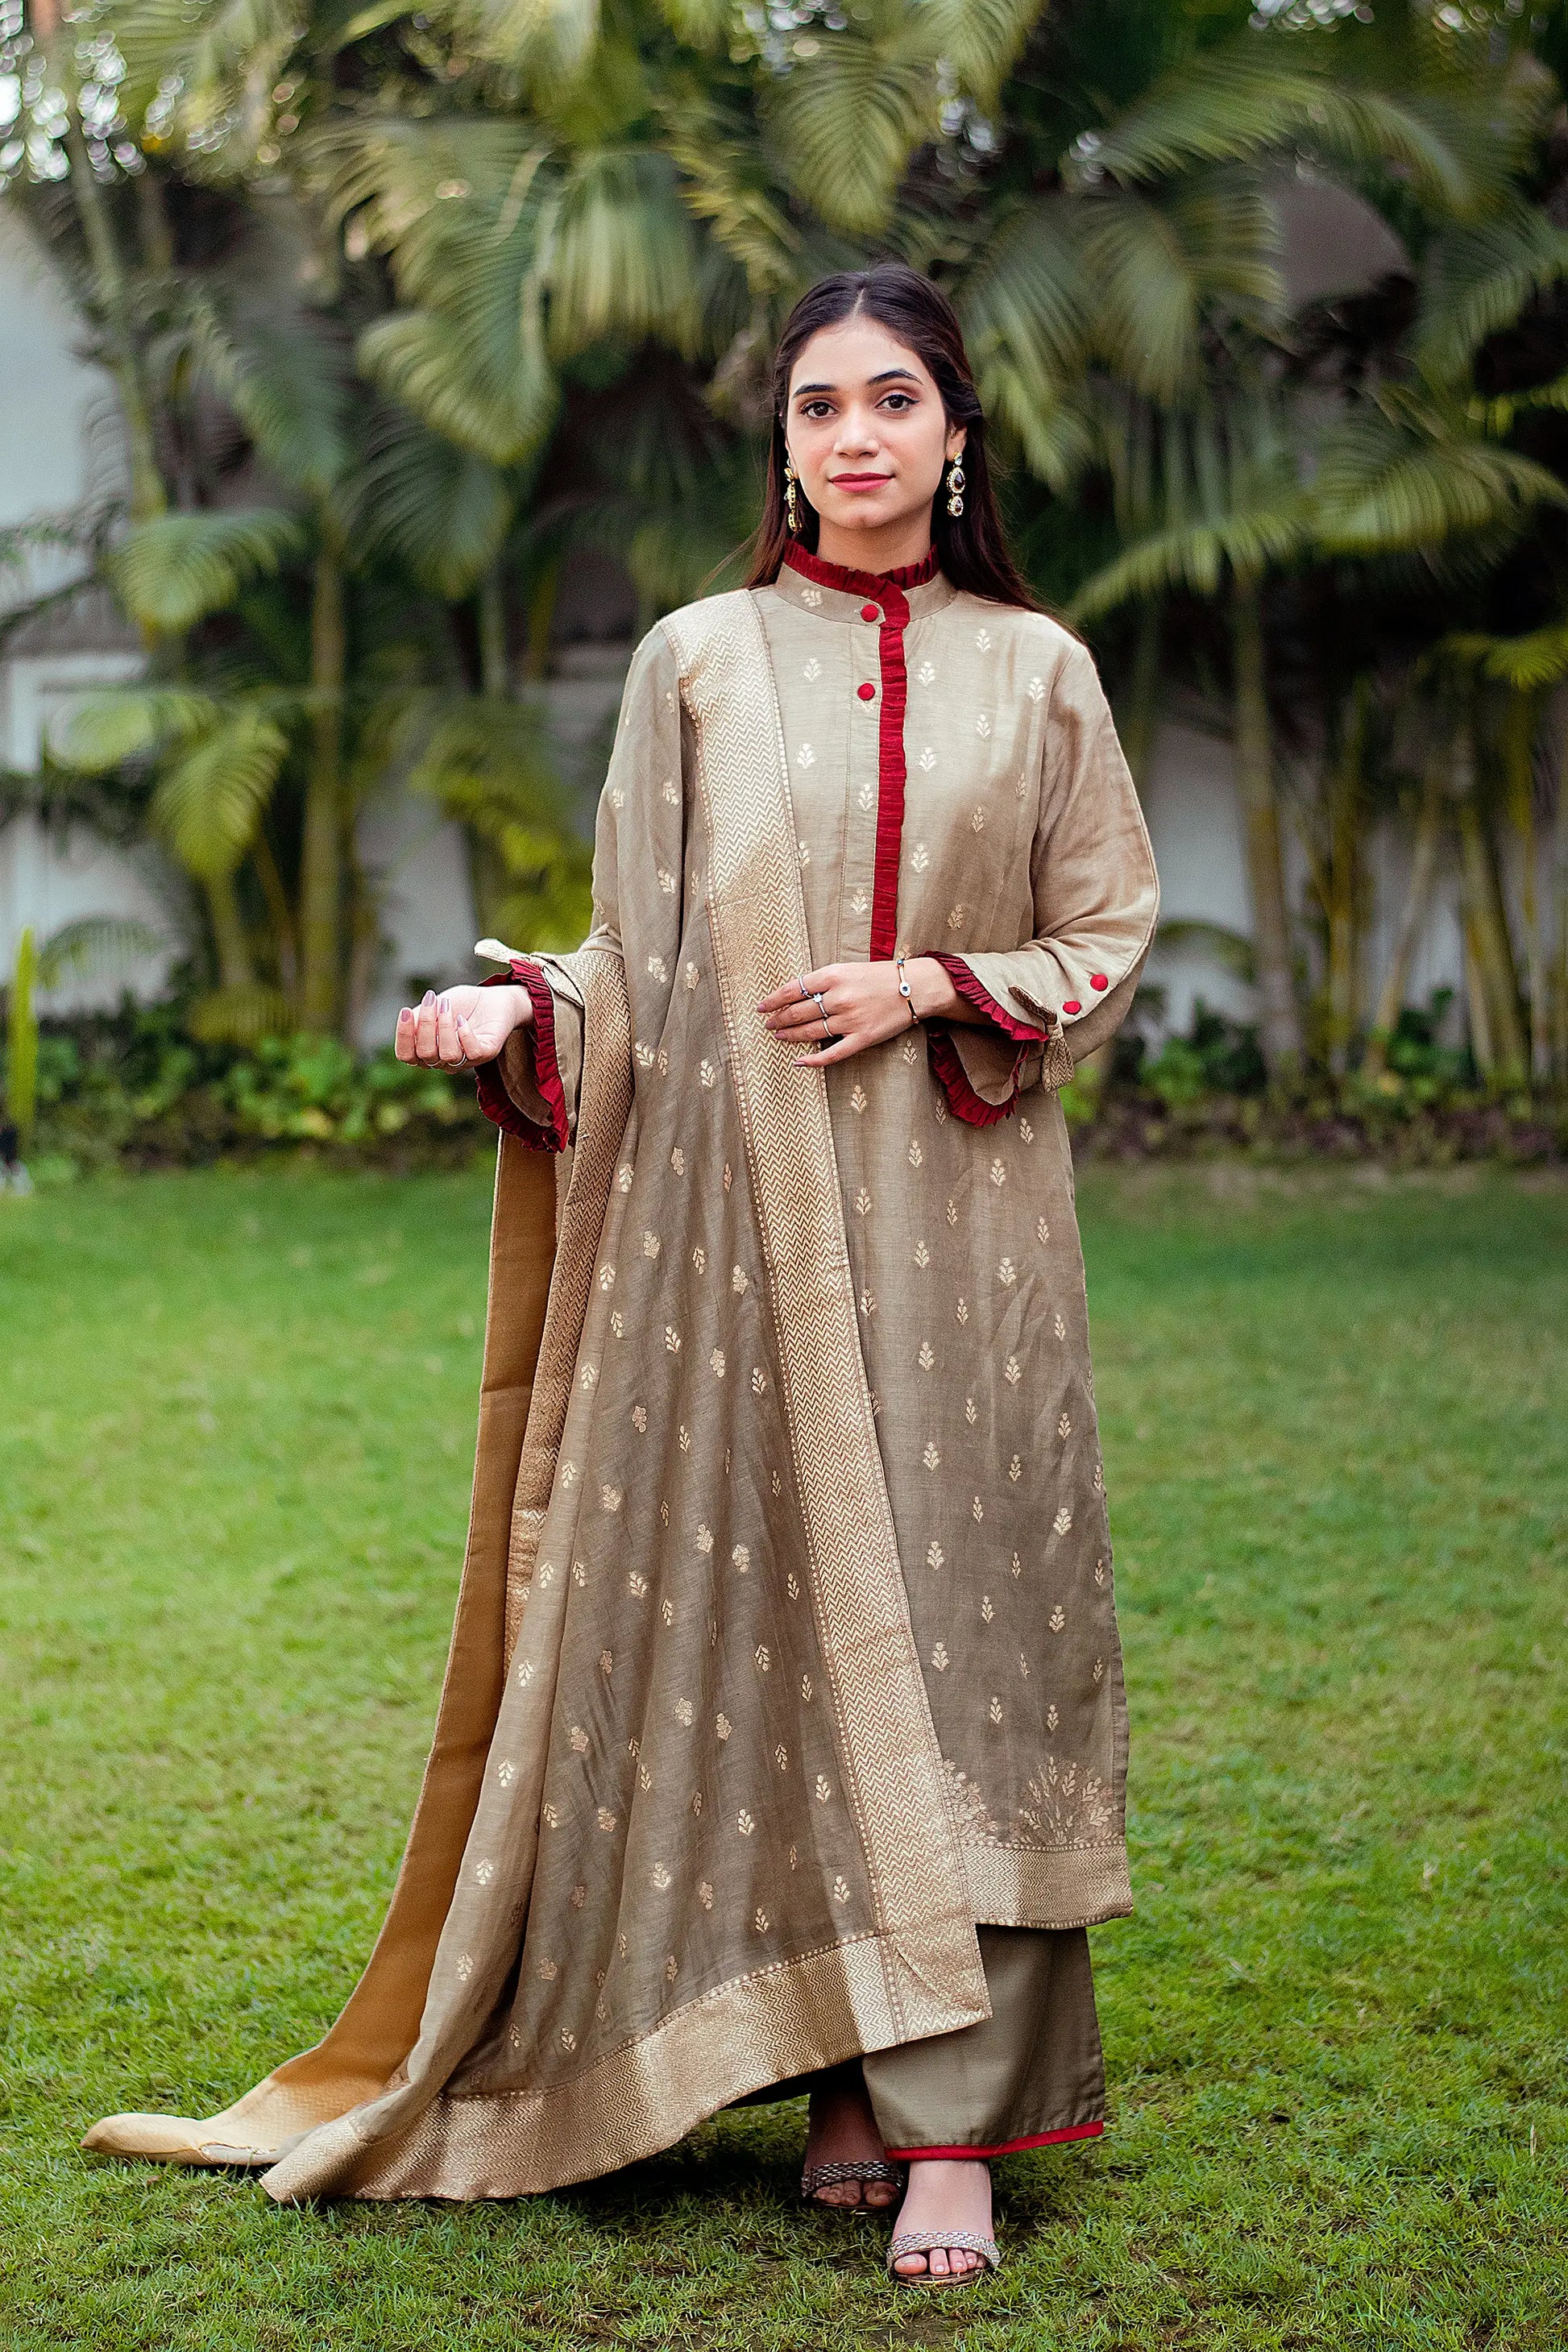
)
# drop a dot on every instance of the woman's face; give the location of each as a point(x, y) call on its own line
point(866, 427)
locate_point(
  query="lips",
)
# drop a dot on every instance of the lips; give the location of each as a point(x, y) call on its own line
point(858, 481)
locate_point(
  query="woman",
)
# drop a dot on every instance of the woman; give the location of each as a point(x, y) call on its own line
point(783, 1739)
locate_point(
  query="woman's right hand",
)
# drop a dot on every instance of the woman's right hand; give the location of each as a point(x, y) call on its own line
point(462, 1026)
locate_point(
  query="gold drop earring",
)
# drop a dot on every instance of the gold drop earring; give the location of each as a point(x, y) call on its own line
point(791, 510)
point(955, 489)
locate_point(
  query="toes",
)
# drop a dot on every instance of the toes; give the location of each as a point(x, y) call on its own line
point(939, 2263)
point(880, 2194)
point(910, 2265)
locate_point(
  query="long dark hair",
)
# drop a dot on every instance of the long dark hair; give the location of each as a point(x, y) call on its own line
point(972, 548)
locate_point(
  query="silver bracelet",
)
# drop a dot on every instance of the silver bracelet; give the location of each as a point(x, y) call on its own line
point(899, 962)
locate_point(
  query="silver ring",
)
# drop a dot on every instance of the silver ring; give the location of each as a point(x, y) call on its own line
point(805, 992)
point(816, 996)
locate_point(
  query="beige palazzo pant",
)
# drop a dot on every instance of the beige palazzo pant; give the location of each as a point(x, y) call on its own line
point(1032, 2072)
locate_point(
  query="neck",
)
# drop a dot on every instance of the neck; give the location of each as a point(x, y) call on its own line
point(888, 548)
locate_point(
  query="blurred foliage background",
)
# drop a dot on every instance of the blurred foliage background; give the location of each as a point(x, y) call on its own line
point(407, 309)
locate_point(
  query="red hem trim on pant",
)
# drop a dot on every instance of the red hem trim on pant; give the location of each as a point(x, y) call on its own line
point(1007, 2146)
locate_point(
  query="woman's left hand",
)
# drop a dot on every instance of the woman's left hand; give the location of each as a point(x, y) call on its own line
point(862, 1005)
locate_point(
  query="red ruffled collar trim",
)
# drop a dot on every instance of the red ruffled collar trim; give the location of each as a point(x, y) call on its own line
point(860, 583)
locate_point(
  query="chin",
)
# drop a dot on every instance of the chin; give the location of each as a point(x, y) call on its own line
point(866, 515)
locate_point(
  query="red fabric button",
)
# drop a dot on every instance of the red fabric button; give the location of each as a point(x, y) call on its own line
point(1072, 1005)
point(871, 612)
point(1098, 979)
point(865, 692)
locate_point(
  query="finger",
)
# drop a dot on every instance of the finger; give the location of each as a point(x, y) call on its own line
point(840, 1050)
point(447, 1038)
point(403, 1040)
point(425, 1049)
point(795, 1020)
point(790, 992)
point(469, 1046)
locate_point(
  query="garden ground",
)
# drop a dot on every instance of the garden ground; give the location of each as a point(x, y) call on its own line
point(234, 1429)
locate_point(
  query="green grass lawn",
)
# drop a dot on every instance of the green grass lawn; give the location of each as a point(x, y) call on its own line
point(235, 1434)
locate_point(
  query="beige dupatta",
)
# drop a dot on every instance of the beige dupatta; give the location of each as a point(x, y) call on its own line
point(368, 2111)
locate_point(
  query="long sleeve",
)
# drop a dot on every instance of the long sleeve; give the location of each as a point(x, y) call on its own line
point(532, 1089)
point(1057, 995)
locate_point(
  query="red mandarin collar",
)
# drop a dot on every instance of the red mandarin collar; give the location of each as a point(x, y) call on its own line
point(886, 587)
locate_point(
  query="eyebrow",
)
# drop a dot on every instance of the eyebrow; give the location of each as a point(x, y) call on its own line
point(889, 375)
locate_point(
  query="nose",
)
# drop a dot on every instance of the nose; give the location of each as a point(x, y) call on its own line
point(857, 434)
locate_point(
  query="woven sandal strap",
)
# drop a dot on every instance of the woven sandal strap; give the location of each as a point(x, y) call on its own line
point(927, 2242)
point(868, 2167)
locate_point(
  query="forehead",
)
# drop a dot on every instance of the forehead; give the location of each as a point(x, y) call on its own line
point(847, 357)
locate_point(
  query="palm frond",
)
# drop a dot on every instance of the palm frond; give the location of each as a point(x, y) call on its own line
point(620, 256)
point(460, 211)
point(702, 23)
point(1479, 279)
point(210, 801)
point(287, 384)
point(238, 1015)
point(979, 41)
point(844, 123)
point(1197, 555)
point(1527, 663)
point(104, 730)
point(1383, 484)
point(724, 182)
point(466, 747)
point(494, 397)
point(438, 508)
point(173, 571)
point(1025, 299)
point(95, 947)
point(543, 42)
point(1246, 100)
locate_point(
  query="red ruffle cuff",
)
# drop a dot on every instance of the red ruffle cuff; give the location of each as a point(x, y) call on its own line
point(946, 1065)
point(494, 1101)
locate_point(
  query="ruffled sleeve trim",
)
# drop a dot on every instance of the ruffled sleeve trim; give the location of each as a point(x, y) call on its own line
point(495, 1100)
point(952, 1078)
point(1021, 1031)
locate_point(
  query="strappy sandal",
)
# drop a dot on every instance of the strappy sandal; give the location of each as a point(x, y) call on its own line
point(830, 2176)
point(926, 2242)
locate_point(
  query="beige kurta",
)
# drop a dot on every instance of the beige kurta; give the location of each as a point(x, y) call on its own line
point(788, 1653)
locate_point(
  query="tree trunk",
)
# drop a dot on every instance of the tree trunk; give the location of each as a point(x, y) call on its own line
point(1519, 754)
point(1343, 894)
point(1141, 716)
point(1279, 1018)
point(236, 965)
point(1482, 1045)
point(1559, 886)
point(541, 620)
point(495, 679)
point(1412, 922)
point(1485, 922)
point(279, 914)
point(321, 861)
point(110, 295)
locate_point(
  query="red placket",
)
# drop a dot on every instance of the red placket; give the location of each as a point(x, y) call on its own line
point(886, 601)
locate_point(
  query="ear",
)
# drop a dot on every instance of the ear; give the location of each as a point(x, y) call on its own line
point(955, 441)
